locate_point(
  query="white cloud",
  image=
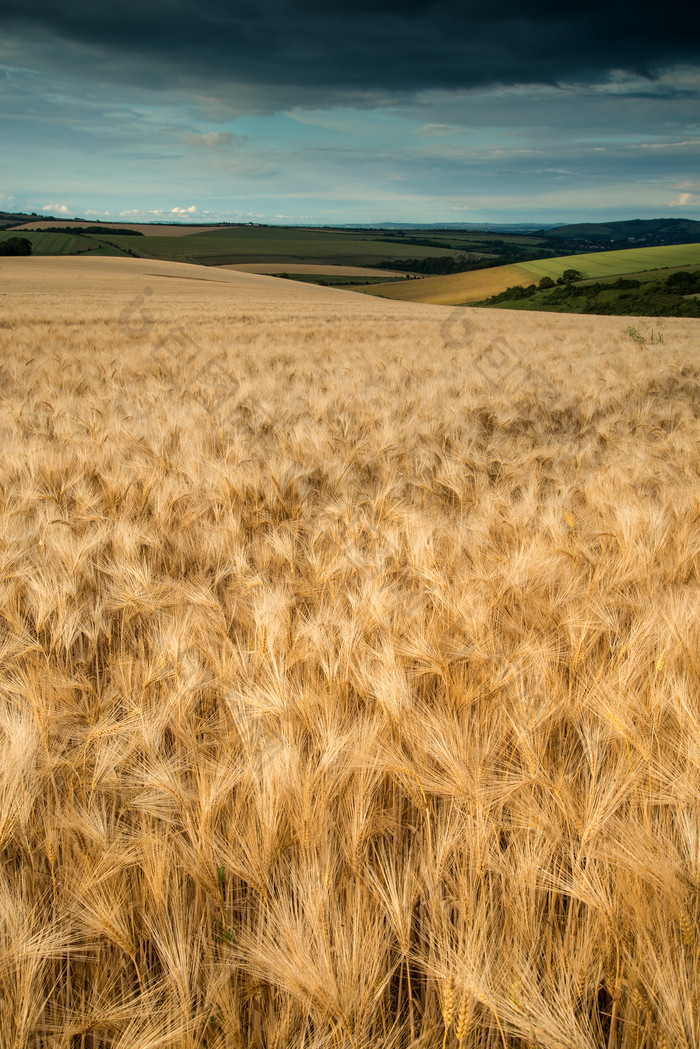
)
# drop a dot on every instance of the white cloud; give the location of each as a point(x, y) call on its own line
point(148, 214)
point(686, 200)
point(686, 143)
point(434, 130)
point(62, 209)
point(210, 139)
point(90, 212)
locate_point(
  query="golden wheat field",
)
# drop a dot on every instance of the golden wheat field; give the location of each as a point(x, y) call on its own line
point(349, 669)
point(456, 288)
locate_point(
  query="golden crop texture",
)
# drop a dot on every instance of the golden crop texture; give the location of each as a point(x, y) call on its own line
point(349, 669)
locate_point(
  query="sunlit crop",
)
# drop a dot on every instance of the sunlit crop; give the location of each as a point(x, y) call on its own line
point(348, 687)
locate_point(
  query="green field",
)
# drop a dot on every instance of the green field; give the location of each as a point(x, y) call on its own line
point(614, 263)
point(288, 246)
point(284, 245)
point(459, 289)
point(65, 243)
point(332, 280)
point(249, 244)
point(463, 239)
point(643, 275)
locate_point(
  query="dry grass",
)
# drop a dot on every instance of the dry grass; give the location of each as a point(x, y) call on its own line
point(365, 715)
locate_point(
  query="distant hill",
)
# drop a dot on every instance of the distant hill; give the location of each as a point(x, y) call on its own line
point(14, 218)
point(440, 251)
point(490, 227)
point(639, 232)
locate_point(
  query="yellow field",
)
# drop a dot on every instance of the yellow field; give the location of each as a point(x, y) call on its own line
point(349, 669)
point(455, 288)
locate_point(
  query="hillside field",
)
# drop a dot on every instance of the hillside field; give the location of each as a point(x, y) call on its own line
point(64, 243)
point(281, 245)
point(178, 229)
point(456, 288)
point(615, 263)
point(477, 285)
point(349, 678)
point(319, 269)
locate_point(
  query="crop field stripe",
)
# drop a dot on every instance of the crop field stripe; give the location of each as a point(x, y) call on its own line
point(59, 243)
point(476, 285)
point(226, 247)
point(456, 288)
point(611, 263)
point(64, 243)
point(643, 275)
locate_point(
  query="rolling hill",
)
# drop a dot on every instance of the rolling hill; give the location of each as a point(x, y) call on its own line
point(66, 243)
point(283, 245)
point(477, 285)
point(651, 231)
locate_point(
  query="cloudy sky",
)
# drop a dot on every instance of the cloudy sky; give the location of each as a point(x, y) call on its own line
point(302, 111)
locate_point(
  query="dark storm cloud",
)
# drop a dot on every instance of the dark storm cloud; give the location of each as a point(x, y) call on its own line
point(309, 46)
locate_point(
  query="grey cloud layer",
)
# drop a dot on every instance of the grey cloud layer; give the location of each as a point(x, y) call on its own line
point(308, 46)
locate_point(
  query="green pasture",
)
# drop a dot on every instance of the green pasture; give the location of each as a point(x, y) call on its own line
point(615, 263)
point(65, 243)
point(50, 243)
point(643, 275)
point(225, 247)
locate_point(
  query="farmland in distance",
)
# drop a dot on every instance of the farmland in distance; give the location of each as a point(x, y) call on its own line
point(474, 286)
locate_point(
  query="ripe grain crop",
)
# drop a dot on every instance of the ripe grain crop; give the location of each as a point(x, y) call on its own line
point(458, 288)
point(362, 712)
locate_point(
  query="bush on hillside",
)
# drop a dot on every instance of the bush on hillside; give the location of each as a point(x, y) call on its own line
point(16, 246)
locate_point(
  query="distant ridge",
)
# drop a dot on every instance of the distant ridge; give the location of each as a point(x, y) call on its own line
point(579, 235)
point(491, 227)
point(642, 231)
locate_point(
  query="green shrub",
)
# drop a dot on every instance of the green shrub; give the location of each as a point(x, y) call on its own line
point(16, 246)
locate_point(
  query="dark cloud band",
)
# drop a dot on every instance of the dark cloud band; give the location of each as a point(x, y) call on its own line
point(309, 45)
